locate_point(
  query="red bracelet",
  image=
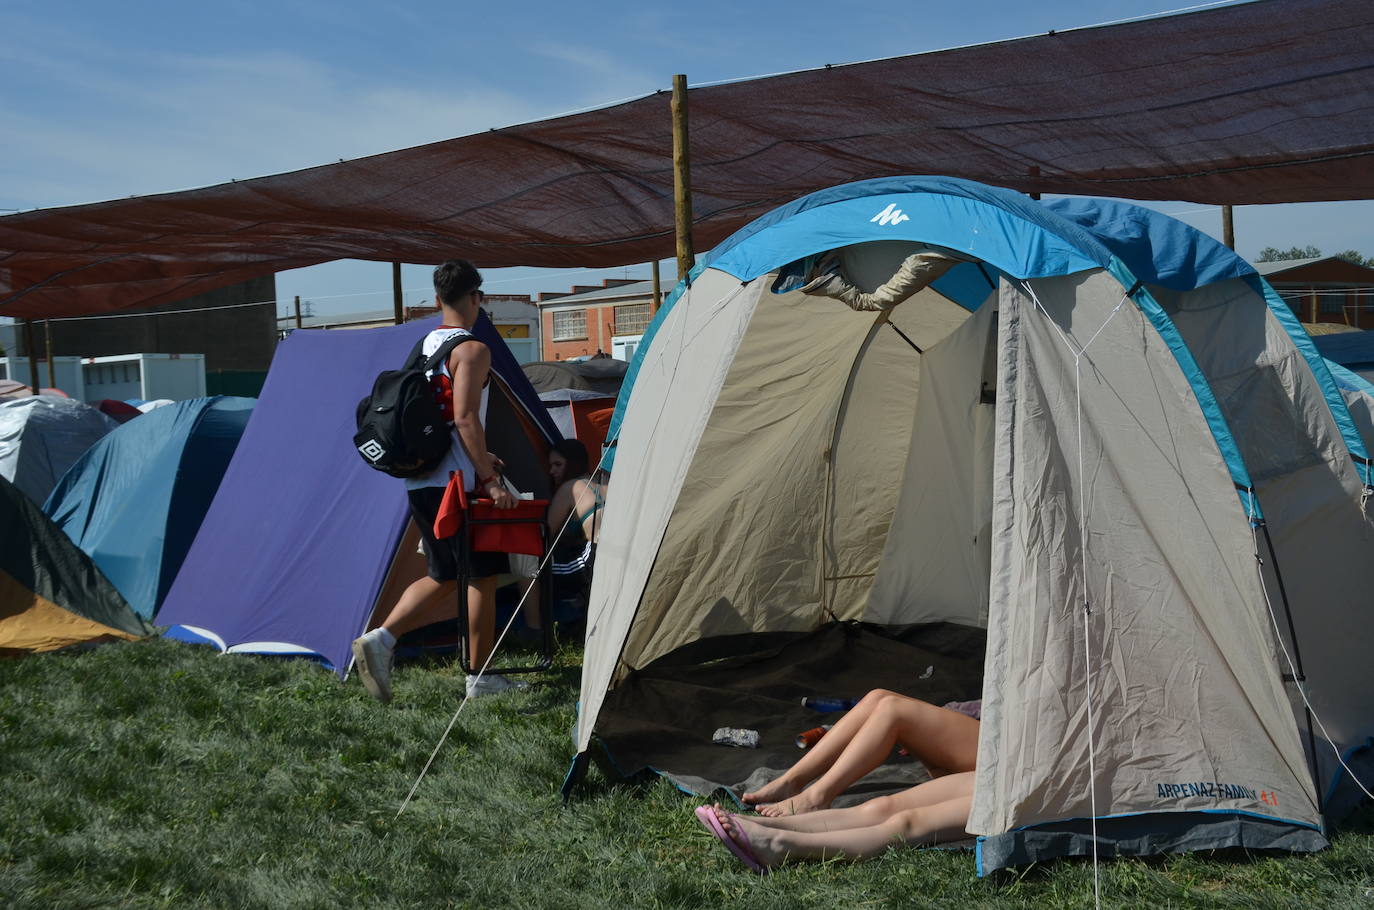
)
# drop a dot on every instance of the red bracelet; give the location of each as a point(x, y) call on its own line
point(488, 481)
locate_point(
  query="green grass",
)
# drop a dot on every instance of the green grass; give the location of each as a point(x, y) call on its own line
point(156, 774)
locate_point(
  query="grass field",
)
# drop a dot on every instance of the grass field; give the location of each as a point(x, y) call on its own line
point(157, 774)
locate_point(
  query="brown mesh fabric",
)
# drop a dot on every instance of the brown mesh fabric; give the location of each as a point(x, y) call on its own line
point(1255, 103)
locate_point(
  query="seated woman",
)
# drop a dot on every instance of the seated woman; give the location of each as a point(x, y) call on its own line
point(573, 525)
point(797, 822)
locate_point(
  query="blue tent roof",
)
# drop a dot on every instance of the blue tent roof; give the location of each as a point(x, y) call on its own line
point(135, 500)
point(1352, 350)
point(1010, 232)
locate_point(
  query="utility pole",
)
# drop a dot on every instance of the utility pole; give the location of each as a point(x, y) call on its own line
point(682, 179)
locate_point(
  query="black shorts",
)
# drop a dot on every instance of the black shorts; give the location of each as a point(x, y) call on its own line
point(445, 556)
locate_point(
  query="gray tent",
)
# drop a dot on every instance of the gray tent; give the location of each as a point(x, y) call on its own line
point(42, 436)
point(1092, 436)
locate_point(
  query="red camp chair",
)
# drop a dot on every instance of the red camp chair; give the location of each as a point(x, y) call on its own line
point(482, 527)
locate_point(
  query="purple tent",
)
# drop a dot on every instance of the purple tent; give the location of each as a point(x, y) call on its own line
point(300, 539)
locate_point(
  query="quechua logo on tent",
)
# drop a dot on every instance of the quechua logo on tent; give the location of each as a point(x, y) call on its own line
point(890, 215)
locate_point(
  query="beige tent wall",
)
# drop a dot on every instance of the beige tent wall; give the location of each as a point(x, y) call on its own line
point(935, 563)
point(742, 552)
point(675, 393)
point(1185, 689)
point(1309, 491)
point(872, 433)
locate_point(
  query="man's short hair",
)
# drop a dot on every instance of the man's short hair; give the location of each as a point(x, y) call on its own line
point(455, 279)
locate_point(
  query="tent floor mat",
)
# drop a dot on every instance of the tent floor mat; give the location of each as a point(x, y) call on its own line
point(661, 718)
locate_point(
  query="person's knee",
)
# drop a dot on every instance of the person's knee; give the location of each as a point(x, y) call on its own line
point(879, 809)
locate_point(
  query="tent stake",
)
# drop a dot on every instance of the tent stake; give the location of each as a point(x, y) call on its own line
point(682, 179)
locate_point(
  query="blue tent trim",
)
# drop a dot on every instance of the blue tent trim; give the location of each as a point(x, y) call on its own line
point(1348, 379)
point(1334, 402)
point(1197, 380)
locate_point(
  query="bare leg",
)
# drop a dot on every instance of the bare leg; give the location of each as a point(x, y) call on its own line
point(919, 824)
point(818, 759)
point(865, 814)
point(425, 601)
point(481, 620)
point(937, 736)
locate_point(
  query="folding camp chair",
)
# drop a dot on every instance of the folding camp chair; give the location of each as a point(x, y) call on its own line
point(485, 528)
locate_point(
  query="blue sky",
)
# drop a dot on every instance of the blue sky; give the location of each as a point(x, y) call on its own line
point(101, 100)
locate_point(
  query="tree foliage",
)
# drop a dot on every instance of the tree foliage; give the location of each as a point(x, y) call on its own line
point(1271, 254)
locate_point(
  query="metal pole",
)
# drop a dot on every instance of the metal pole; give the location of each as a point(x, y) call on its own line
point(658, 290)
point(396, 292)
point(47, 346)
point(298, 311)
point(1228, 227)
point(682, 179)
point(32, 349)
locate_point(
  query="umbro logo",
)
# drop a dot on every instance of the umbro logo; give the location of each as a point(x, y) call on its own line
point(372, 450)
point(890, 215)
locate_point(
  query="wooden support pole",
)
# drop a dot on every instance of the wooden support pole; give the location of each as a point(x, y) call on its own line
point(298, 311)
point(682, 179)
point(1228, 227)
point(396, 292)
point(31, 348)
point(47, 350)
point(658, 290)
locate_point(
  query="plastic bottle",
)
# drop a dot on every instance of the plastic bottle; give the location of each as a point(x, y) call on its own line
point(828, 704)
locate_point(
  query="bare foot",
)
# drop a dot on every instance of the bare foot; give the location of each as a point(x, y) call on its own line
point(754, 837)
point(776, 789)
point(807, 800)
point(723, 811)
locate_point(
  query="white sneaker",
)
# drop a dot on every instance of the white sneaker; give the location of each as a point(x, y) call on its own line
point(492, 683)
point(373, 660)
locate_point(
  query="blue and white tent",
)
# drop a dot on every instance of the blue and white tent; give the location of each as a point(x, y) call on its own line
point(135, 499)
point(1073, 425)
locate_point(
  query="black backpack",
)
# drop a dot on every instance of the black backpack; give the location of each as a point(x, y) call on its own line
point(401, 430)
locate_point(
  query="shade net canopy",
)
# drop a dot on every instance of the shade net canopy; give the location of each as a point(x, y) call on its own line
point(1260, 102)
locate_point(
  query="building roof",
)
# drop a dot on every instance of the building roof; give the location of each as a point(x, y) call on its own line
point(1283, 265)
point(616, 292)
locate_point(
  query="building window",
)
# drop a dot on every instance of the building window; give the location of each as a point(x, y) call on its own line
point(570, 325)
point(1332, 302)
point(632, 319)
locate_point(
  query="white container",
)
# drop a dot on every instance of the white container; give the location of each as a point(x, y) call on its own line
point(144, 376)
point(66, 374)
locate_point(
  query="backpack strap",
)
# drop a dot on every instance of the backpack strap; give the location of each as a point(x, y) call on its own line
point(440, 355)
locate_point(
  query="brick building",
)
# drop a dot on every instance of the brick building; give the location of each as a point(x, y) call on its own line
point(593, 319)
point(1324, 289)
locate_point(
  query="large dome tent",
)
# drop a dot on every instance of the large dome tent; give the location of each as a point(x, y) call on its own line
point(1076, 440)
